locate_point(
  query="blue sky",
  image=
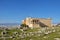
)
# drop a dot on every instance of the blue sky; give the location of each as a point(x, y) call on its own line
point(13, 11)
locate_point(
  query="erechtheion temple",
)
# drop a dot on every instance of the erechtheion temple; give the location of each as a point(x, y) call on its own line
point(37, 22)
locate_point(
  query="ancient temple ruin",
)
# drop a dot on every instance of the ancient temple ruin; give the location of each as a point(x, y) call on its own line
point(37, 22)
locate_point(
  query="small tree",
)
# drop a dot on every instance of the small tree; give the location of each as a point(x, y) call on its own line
point(24, 25)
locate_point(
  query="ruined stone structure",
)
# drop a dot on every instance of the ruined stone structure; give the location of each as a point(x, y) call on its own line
point(37, 22)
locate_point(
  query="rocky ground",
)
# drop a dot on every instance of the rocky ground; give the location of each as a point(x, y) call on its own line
point(31, 34)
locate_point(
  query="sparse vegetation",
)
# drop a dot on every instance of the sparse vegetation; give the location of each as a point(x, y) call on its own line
point(31, 34)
